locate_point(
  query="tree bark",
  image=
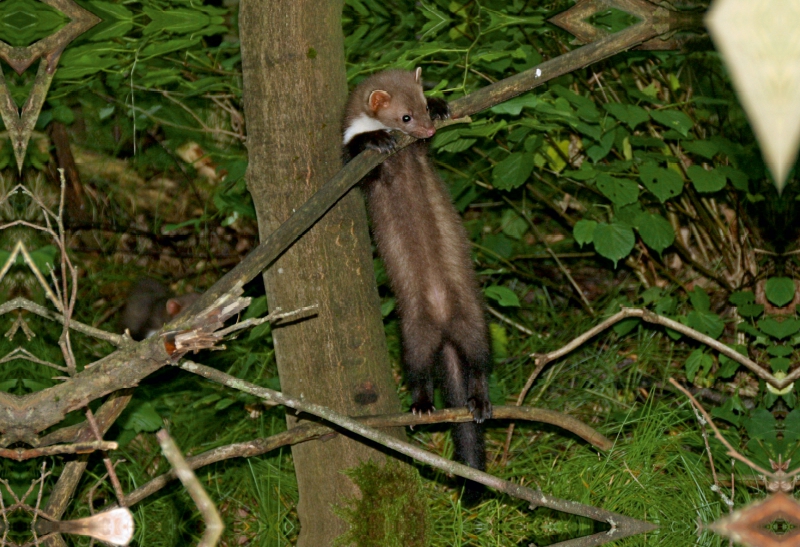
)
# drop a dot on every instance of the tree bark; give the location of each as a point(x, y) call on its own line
point(294, 94)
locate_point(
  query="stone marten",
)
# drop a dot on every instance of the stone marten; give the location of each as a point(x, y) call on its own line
point(149, 307)
point(425, 249)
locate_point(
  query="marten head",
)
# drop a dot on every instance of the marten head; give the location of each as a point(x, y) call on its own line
point(402, 105)
point(389, 100)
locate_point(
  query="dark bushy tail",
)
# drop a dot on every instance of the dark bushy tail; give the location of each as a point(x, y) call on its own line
point(470, 449)
point(465, 384)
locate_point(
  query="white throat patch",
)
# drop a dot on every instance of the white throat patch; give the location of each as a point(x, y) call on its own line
point(362, 124)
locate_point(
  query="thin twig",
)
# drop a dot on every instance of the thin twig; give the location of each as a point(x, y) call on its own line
point(511, 322)
point(112, 474)
point(22, 353)
point(273, 317)
point(732, 452)
point(214, 525)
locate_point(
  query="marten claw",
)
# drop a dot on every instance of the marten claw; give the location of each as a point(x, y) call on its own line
point(481, 409)
point(381, 141)
point(422, 408)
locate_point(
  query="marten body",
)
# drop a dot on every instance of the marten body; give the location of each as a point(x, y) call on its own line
point(150, 306)
point(425, 249)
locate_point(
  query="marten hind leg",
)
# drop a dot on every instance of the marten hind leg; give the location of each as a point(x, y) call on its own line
point(472, 343)
point(468, 437)
point(478, 402)
point(421, 343)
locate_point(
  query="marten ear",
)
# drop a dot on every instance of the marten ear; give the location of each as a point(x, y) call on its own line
point(379, 99)
point(418, 75)
point(174, 307)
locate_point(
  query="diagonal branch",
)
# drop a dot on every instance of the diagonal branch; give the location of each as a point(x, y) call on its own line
point(622, 526)
point(310, 431)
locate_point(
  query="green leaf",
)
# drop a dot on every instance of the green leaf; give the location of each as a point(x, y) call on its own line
point(750, 310)
point(117, 21)
point(706, 181)
point(515, 105)
point(656, 231)
point(107, 10)
point(666, 305)
point(44, 258)
point(499, 244)
point(791, 426)
point(674, 119)
point(590, 130)
point(740, 298)
point(140, 416)
point(619, 191)
point(726, 411)
point(646, 142)
point(112, 29)
point(387, 306)
point(207, 400)
point(499, 338)
point(779, 290)
point(628, 213)
point(600, 151)
point(513, 171)
point(663, 183)
point(697, 360)
point(708, 323)
point(738, 178)
point(224, 403)
point(458, 146)
point(177, 21)
point(513, 225)
point(484, 130)
point(779, 330)
point(160, 48)
point(780, 351)
point(705, 149)
point(747, 328)
point(613, 241)
point(502, 295)
point(700, 300)
point(779, 364)
point(761, 425)
point(626, 325)
point(445, 136)
point(63, 114)
point(727, 367)
point(584, 231)
point(627, 113)
point(586, 172)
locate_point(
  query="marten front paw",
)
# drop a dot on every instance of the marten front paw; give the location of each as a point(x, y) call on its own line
point(480, 407)
point(438, 109)
point(374, 140)
point(381, 141)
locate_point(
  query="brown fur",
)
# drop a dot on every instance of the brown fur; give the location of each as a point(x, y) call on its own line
point(425, 249)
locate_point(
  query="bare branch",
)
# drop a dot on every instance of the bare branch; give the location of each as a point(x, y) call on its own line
point(214, 526)
point(310, 431)
point(622, 525)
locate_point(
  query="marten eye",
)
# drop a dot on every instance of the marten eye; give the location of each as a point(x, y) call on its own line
point(406, 118)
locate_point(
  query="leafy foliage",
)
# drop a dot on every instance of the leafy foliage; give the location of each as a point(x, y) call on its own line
point(636, 180)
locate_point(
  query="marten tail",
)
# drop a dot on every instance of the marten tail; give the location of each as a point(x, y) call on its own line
point(466, 384)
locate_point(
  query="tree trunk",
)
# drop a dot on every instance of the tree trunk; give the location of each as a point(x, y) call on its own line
point(294, 95)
